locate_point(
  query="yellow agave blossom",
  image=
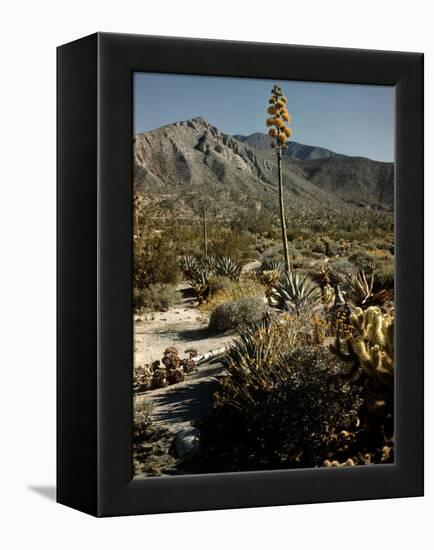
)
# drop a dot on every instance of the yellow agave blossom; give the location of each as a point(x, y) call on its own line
point(279, 131)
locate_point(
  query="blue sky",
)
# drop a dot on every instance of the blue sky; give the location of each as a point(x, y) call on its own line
point(347, 118)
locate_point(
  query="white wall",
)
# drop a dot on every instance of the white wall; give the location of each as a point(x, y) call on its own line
point(30, 31)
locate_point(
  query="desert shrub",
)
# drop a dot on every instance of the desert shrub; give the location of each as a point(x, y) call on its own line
point(142, 419)
point(154, 260)
point(384, 277)
point(230, 315)
point(292, 417)
point(224, 290)
point(156, 297)
point(363, 261)
point(233, 244)
point(218, 284)
point(150, 443)
point(341, 267)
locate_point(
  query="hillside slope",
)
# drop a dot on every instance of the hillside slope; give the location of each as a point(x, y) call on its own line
point(190, 160)
point(295, 150)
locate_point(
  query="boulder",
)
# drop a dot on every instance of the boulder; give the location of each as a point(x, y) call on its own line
point(187, 443)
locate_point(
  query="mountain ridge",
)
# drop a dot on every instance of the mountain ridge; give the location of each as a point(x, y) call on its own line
point(295, 150)
point(193, 156)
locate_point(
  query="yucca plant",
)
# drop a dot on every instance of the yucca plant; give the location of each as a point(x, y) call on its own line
point(279, 134)
point(295, 292)
point(226, 267)
point(361, 286)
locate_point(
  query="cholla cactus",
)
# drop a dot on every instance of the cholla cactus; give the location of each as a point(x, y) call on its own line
point(373, 343)
point(271, 265)
point(371, 349)
point(279, 134)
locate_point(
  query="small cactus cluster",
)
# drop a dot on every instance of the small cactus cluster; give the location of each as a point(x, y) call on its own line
point(337, 464)
point(170, 370)
point(371, 350)
point(279, 132)
point(142, 377)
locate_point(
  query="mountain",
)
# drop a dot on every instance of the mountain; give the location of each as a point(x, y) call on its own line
point(195, 157)
point(357, 180)
point(295, 150)
point(186, 161)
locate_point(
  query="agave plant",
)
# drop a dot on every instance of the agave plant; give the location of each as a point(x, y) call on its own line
point(296, 292)
point(208, 263)
point(226, 267)
point(188, 264)
point(198, 278)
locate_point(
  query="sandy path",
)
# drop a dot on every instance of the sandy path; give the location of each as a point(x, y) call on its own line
point(180, 326)
point(176, 407)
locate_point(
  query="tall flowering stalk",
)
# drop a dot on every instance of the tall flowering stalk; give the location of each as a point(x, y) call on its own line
point(279, 134)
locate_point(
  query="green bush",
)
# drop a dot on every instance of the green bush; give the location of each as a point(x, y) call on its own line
point(155, 260)
point(155, 297)
point(384, 277)
point(231, 315)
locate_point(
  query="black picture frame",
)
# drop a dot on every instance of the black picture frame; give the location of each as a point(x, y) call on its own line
point(95, 330)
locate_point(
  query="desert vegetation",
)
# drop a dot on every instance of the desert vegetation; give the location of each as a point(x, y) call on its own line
point(301, 297)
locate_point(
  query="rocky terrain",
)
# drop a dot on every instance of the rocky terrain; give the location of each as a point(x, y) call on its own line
point(295, 150)
point(193, 158)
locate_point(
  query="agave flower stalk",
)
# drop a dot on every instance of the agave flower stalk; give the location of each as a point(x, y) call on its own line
point(205, 236)
point(279, 134)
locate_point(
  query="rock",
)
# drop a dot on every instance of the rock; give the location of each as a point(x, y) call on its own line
point(187, 443)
